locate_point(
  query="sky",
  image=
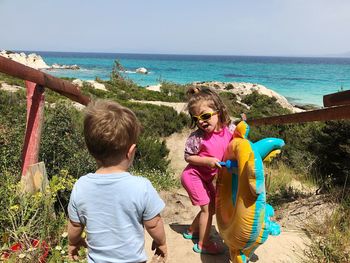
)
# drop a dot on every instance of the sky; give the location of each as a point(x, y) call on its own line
point(207, 27)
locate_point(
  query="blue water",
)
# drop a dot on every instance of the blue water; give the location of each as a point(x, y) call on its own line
point(300, 80)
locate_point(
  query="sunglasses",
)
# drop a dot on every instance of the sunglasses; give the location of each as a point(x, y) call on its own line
point(204, 116)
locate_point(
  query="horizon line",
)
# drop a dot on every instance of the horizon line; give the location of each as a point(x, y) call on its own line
point(181, 54)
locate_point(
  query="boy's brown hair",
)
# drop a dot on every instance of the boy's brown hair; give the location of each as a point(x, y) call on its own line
point(109, 130)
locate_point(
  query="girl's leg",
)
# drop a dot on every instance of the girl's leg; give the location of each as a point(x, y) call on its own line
point(198, 194)
point(205, 220)
point(194, 228)
point(206, 216)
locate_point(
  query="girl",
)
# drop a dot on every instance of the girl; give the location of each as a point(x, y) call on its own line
point(204, 148)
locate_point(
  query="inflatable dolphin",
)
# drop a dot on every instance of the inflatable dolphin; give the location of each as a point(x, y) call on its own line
point(242, 214)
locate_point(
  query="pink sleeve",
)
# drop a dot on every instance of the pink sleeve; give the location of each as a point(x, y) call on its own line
point(193, 143)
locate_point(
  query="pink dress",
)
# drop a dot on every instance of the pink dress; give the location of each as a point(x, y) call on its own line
point(197, 180)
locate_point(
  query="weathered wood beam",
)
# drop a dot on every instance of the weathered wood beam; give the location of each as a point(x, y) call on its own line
point(326, 114)
point(336, 99)
point(61, 86)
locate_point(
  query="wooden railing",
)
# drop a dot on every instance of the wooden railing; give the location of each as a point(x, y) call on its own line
point(326, 114)
point(61, 86)
point(35, 82)
point(337, 108)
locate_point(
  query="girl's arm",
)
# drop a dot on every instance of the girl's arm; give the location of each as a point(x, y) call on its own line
point(203, 161)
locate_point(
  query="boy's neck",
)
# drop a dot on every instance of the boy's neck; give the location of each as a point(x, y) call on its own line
point(119, 168)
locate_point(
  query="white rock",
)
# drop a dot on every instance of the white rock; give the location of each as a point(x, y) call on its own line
point(32, 60)
point(97, 85)
point(142, 71)
point(78, 82)
point(58, 66)
point(154, 87)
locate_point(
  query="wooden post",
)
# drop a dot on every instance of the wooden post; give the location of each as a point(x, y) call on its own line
point(35, 116)
point(35, 179)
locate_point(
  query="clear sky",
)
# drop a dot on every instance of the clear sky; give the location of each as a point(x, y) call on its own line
point(223, 27)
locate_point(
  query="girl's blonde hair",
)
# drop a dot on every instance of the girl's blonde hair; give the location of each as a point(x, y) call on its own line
point(199, 94)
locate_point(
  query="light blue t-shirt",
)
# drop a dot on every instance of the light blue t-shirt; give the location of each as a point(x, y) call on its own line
point(112, 207)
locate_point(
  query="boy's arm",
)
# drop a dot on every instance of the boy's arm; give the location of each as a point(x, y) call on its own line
point(155, 229)
point(75, 241)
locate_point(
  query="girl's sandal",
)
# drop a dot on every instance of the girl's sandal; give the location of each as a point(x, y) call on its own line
point(189, 235)
point(213, 249)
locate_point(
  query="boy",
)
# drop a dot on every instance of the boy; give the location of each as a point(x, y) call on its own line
point(111, 204)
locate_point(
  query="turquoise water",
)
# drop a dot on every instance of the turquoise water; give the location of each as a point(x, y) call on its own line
point(300, 80)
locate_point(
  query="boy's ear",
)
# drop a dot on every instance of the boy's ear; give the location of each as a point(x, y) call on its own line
point(131, 151)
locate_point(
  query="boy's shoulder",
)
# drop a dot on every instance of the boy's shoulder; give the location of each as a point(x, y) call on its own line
point(134, 180)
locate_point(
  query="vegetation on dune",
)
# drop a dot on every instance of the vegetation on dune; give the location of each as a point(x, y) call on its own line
point(313, 150)
point(331, 241)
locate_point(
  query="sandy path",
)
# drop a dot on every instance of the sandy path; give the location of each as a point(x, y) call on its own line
point(179, 212)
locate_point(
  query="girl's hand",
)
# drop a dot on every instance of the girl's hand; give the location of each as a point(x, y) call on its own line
point(213, 162)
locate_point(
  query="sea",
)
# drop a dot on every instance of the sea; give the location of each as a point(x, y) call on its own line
point(302, 80)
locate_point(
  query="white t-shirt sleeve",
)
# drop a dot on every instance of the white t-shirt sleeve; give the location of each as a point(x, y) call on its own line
point(153, 204)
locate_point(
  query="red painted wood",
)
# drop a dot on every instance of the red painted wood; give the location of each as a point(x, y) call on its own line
point(35, 117)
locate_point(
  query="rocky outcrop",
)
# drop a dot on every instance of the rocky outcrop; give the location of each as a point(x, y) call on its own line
point(58, 66)
point(31, 60)
point(242, 89)
point(34, 61)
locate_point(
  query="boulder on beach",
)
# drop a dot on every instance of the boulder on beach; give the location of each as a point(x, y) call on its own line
point(142, 71)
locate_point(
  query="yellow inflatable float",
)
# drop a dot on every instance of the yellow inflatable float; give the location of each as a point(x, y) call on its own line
point(242, 214)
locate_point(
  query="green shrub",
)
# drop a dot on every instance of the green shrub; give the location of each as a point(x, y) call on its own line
point(12, 128)
point(332, 147)
point(11, 80)
point(151, 154)
point(174, 92)
point(234, 109)
point(24, 217)
point(158, 120)
point(62, 143)
point(263, 106)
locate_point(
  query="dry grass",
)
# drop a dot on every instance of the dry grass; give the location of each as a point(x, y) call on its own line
point(331, 239)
